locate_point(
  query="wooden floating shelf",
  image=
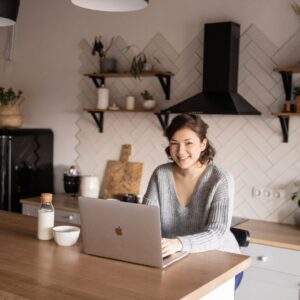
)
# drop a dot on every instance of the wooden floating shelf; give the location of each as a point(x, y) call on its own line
point(290, 69)
point(163, 77)
point(129, 74)
point(285, 114)
point(122, 110)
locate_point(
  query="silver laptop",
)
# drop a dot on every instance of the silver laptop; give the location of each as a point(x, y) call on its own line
point(123, 231)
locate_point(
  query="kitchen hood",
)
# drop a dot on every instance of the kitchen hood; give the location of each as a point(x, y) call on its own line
point(220, 75)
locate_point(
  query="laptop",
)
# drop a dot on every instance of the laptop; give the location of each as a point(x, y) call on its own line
point(123, 231)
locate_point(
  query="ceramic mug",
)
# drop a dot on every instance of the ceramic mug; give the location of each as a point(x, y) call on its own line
point(90, 186)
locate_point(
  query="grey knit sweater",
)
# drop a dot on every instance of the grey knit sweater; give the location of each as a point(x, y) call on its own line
point(202, 225)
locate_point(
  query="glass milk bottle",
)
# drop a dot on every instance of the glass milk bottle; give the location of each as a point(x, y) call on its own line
point(45, 218)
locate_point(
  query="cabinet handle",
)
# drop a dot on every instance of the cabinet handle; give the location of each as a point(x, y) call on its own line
point(71, 217)
point(262, 258)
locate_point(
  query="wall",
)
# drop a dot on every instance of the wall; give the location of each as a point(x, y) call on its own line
point(52, 52)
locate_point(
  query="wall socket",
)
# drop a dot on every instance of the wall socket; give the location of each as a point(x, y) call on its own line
point(268, 193)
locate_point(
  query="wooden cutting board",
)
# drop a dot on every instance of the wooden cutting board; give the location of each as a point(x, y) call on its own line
point(122, 176)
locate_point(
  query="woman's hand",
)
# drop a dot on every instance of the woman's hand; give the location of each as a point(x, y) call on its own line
point(170, 246)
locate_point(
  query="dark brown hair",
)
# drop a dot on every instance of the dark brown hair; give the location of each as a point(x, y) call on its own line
point(195, 123)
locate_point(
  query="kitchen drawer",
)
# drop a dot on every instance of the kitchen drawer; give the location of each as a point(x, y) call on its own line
point(261, 284)
point(273, 258)
point(30, 210)
point(65, 216)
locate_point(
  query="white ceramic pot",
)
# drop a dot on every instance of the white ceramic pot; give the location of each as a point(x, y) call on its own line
point(149, 104)
point(90, 186)
point(297, 216)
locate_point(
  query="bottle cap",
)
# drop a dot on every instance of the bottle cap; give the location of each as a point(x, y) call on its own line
point(46, 197)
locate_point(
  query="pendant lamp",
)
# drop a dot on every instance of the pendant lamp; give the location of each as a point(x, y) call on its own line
point(112, 5)
point(8, 12)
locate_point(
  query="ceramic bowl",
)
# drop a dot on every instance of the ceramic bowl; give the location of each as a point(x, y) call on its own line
point(149, 104)
point(66, 235)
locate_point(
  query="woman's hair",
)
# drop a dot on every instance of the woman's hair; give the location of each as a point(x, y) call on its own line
point(195, 123)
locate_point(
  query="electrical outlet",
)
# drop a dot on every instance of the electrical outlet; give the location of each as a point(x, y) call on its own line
point(257, 192)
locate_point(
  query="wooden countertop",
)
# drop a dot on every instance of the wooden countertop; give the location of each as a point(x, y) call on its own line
point(60, 201)
point(33, 269)
point(273, 234)
point(261, 232)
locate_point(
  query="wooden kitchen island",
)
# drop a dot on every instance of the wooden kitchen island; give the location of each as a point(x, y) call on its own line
point(33, 269)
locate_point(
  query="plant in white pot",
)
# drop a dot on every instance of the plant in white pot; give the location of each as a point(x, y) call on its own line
point(107, 64)
point(296, 197)
point(10, 114)
point(149, 102)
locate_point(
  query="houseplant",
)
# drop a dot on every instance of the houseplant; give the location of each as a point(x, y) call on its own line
point(296, 92)
point(10, 114)
point(140, 62)
point(149, 102)
point(296, 197)
point(107, 64)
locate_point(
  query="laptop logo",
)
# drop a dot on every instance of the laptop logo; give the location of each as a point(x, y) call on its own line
point(118, 230)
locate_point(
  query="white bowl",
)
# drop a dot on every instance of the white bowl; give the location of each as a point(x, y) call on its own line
point(66, 235)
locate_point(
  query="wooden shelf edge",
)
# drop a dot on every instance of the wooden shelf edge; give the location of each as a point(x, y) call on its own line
point(292, 69)
point(121, 110)
point(287, 114)
point(129, 74)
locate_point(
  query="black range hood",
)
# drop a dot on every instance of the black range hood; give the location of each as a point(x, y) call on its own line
point(220, 75)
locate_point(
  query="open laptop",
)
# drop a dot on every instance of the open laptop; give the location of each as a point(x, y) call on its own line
point(123, 231)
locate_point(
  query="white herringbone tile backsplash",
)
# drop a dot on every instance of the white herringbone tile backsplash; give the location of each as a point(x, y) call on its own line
point(248, 146)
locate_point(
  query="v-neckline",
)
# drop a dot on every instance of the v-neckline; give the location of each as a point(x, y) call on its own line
point(197, 186)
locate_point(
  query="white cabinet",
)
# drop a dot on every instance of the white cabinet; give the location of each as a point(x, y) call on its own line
point(274, 274)
point(60, 215)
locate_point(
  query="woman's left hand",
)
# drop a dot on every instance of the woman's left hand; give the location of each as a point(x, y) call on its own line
point(170, 246)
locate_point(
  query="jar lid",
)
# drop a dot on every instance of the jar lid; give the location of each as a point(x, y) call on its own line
point(46, 197)
point(72, 171)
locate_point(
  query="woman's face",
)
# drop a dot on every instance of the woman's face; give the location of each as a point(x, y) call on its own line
point(186, 147)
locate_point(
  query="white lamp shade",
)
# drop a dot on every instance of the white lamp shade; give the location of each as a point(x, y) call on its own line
point(112, 5)
point(6, 22)
point(8, 12)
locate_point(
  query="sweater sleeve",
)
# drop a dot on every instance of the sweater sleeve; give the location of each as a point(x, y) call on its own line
point(220, 210)
point(151, 195)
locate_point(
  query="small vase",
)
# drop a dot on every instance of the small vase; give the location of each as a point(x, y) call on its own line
point(297, 216)
point(108, 65)
point(149, 104)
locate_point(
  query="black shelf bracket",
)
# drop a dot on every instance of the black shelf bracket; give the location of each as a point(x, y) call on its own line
point(163, 120)
point(287, 84)
point(165, 82)
point(98, 119)
point(98, 81)
point(284, 122)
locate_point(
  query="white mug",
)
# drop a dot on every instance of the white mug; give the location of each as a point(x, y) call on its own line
point(90, 186)
point(130, 102)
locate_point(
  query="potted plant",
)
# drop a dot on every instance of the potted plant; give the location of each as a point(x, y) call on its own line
point(296, 92)
point(149, 102)
point(107, 64)
point(296, 197)
point(140, 62)
point(10, 115)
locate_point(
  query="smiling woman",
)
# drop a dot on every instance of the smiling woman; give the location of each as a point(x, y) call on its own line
point(194, 195)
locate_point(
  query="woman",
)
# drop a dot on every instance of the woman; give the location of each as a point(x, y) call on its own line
point(195, 196)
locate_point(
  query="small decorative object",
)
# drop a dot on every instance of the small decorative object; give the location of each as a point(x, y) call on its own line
point(107, 64)
point(296, 197)
point(10, 114)
point(103, 97)
point(149, 102)
point(130, 101)
point(296, 93)
point(114, 107)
